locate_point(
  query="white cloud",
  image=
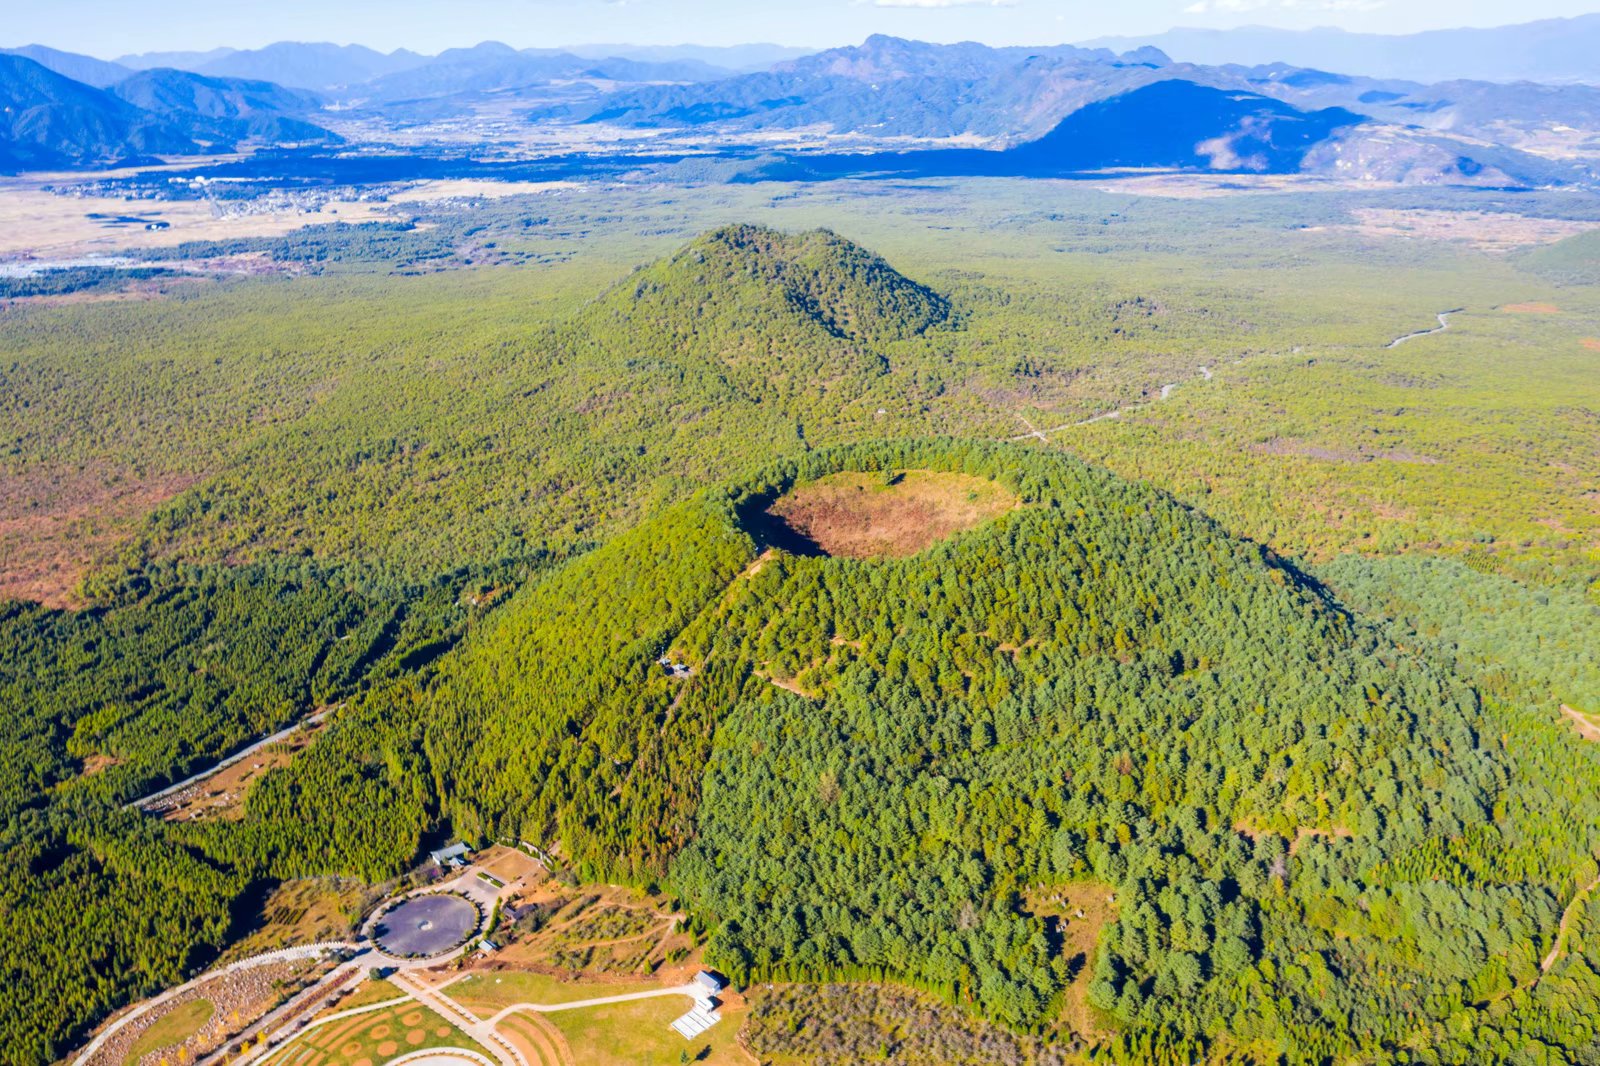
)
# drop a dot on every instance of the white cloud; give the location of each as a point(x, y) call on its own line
point(1239, 7)
point(943, 3)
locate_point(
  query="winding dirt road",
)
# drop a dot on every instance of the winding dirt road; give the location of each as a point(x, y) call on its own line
point(1444, 324)
point(1560, 946)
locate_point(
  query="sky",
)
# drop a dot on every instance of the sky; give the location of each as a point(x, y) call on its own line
point(110, 28)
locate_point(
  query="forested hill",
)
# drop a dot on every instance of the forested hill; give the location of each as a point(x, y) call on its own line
point(1317, 842)
point(1321, 846)
point(725, 353)
point(746, 275)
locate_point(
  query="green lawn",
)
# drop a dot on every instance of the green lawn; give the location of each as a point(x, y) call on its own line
point(641, 1033)
point(507, 988)
point(173, 1027)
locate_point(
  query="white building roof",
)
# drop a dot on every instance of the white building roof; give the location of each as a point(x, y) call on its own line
point(454, 851)
point(696, 1021)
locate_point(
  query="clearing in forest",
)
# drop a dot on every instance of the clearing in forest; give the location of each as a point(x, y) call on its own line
point(863, 515)
point(221, 795)
point(1585, 725)
point(1074, 913)
point(172, 1028)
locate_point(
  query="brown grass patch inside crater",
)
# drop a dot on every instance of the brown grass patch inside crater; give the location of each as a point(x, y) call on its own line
point(875, 514)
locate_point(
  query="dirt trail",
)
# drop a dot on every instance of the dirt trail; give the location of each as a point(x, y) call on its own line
point(1044, 434)
point(1444, 324)
point(1587, 729)
point(1560, 946)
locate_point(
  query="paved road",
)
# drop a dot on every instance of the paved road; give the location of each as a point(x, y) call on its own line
point(279, 1025)
point(238, 756)
point(691, 990)
point(263, 1056)
point(482, 1031)
point(440, 1055)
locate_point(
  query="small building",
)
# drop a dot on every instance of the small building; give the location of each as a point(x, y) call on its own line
point(450, 856)
point(709, 983)
point(488, 947)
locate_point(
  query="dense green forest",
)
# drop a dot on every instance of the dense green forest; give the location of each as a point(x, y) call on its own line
point(427, 423)
point(179, 667)
point(1321, 844)
point(1331, 794)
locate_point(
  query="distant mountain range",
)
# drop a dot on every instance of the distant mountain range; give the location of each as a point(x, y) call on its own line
point(48, 120)
point(364, 74)
point(87, 69)
point(1167, 124)
point(1480, 132)
point(888, 87)
point(1550, 50)
point(292, 63)
point(737, 58)
point(1055, 109)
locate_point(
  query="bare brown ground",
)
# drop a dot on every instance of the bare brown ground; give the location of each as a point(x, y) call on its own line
point(1591, 343)
point(1489, 231)
point(39, 224)
point(55, 523)
point(95, 764)
point(1531, 309)
point(857, 515)
point(509, 865)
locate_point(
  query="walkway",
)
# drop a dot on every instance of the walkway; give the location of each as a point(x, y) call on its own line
point(1035, 433)
point(238, 756)
point(308, 951)
point(693, 991)
point(482, 1031)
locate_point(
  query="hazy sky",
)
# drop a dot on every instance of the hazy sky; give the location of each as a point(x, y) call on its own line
point(115, 27)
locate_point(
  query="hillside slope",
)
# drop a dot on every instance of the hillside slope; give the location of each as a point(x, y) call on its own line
point(1549, 50)
point(229, 107)
point(1083, 688)
point(743, 339)
point(50, 120)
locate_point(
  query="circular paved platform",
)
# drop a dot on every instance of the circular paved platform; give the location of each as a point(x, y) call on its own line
point(427, 925)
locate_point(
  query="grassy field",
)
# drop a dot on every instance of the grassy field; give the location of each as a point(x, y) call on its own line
point(492, 990)
point(174, 1027)
point(641, 1033)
